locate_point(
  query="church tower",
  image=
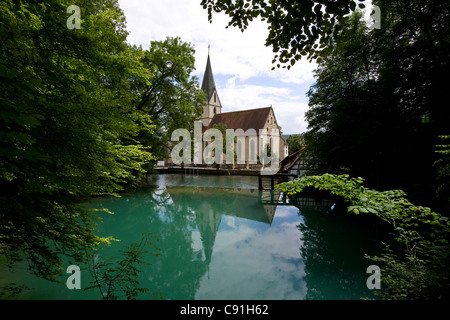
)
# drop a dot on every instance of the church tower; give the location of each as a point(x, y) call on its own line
point(213, 105)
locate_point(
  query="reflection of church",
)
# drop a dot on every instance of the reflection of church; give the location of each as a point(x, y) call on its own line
point(205, 207)
point(242, 203)
point(208, 221)
point(261, 120)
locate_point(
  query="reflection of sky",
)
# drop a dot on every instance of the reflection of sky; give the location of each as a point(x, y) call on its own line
point(254, 260)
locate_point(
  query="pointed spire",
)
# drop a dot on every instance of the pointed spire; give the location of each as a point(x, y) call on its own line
point(208, 84)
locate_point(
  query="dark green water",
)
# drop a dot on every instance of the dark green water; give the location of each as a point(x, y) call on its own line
point(218, 240)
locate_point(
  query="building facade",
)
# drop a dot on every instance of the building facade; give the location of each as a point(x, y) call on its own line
point(254, 129)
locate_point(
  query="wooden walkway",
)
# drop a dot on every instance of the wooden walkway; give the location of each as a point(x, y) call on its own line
point(273, 180)
point(189, 170)
point(265, 181)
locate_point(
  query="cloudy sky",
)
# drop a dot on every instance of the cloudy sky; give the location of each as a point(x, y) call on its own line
point(240, 61)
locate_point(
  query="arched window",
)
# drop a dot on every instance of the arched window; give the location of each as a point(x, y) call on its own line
point(214, 110)
point(252, 150)
point(239, 151)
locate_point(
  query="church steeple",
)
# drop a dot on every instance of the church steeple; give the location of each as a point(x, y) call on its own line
point(208, 84)
point(209, 87)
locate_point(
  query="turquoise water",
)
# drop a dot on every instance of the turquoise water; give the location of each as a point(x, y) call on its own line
point(220, 238)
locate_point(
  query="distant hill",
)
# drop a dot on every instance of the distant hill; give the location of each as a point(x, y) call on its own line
point(285, 136)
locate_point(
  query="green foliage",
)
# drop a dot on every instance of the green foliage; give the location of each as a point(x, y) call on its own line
point(378, 103)
point(68, 128)
point(296, 28)
point(79, 111)
point(295, 142)
point(121, 276)
point(421, 270)
point(442, 166)
point(171, 97)
point(11, 290)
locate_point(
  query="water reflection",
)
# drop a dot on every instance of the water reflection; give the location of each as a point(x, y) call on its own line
point(188, 222)
point(334, 244)
point(223, 243)
point(236, 243)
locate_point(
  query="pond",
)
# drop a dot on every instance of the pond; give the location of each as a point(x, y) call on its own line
point(221, 238)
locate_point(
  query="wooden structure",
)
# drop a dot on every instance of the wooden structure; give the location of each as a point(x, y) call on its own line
point(190, 171)
point(271, 198)
point(296, 164)
point(273, 180)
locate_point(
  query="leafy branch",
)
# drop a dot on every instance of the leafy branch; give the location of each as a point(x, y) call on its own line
point(112, 278)
point(423, 270)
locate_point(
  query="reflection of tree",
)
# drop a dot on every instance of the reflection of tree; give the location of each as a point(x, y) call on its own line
point(176, 278)
point(155, 212)
point(334, 262)
point(172, 213)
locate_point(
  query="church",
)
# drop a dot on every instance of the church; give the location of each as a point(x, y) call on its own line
point(261, 122)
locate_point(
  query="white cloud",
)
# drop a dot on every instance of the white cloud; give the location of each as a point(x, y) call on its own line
point(238, 57)
point(289, 108)
point(243, 255)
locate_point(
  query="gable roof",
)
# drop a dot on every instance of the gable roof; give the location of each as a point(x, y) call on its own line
point(208, 84)
point(246, 119)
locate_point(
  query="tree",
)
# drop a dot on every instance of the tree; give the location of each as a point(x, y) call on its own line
point(377, 108)
point(296, 28)
point(112, 279)
point(170, 96)
point(418, 266)
point(346, 120)
point(295, 142)
point(379, 104)
point(68, 130)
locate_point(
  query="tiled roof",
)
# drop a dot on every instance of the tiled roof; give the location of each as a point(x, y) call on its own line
point(246, 119)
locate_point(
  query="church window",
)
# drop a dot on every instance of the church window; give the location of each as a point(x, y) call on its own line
point(239, 151)
point(252, 151)
point(215, 97)
point(214, 110)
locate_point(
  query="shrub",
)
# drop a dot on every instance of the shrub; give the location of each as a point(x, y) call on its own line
point(421, 270)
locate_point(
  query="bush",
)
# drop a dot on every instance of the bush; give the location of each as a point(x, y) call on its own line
point(421, 270)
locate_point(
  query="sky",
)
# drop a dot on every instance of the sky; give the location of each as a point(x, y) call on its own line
point(240, 61)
